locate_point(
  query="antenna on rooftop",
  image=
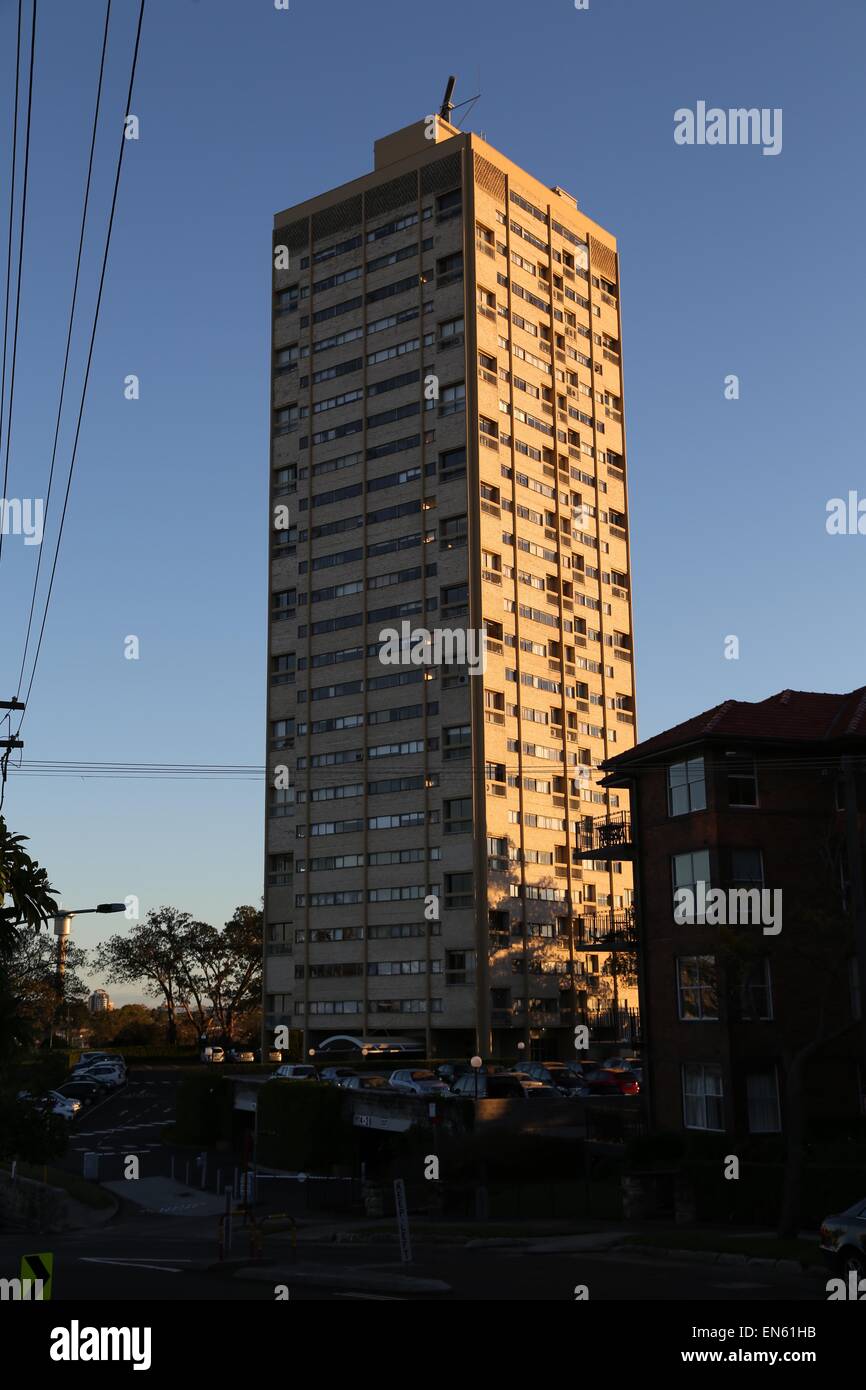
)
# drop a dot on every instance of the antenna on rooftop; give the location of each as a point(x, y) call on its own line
point(448, 107)
point(447, 104)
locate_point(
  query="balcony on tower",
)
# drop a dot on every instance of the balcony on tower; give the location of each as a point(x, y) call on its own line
point(606, 837)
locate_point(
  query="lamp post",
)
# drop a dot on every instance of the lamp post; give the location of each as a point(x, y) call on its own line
point(521, 1048)
point(62, 930)
point(476, 1064)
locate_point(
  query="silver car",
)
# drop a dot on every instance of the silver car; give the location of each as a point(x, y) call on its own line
point(416, 1081)
point(843, 1240)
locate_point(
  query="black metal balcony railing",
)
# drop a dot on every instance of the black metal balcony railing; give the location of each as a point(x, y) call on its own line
point(607, 931)
point(607, 835)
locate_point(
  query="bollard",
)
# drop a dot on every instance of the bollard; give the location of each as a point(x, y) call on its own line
point(172, 1167)
point(187, 1172)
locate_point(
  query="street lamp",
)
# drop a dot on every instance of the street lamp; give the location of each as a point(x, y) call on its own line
point(475, 1063)
point(62, 930)
point(521, 1048)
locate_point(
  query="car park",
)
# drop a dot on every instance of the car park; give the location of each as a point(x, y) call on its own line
point(843, 1241)
point(296, 1071)
point(418, 1081)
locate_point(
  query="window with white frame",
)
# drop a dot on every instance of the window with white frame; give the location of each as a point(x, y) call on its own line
point(697, 988)
point(703, 1097)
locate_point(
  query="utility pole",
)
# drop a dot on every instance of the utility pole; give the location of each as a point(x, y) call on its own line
point(858, 895)
point(10, 743)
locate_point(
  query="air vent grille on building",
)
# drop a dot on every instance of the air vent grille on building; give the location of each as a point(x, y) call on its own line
point(603, 259)
point(388, 196)
point(488, 177)
point(444, 173)
point(338, 218)
point(295, 235)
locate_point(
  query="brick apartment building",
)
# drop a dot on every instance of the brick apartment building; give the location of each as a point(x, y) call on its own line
point(745, 797)
point(448, 438)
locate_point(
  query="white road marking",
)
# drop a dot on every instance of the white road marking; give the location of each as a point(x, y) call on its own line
point(379, 1297)
point(129, 1264)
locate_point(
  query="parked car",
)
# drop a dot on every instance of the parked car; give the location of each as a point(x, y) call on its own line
point(103, 1072)
point(418, 1081)
point(843, 1240)
point(54, 1103)
point(370, 1082)
point(491, 1085)
point(108, 1059)
point(537, 1090)
point(565, 1079)
point(605, 1082)
point(335, 1076)
point(296, 1071)
point(620, 1063)
point(241, 1054)
point(88, 1092)
point(270, 1054)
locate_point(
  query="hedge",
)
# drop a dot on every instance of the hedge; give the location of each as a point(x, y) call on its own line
point(203, 1112)
point(301, 1127)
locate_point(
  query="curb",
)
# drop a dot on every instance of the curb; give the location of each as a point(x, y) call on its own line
point(322, 1277)
point(716, 1257)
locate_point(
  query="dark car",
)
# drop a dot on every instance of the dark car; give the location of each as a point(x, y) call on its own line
point(611, 1083)
point(336, 1076)
point(567, 1080)
point(490, 1085)
point(88, 1092)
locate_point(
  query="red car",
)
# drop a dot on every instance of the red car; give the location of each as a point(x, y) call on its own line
point(612, 1083)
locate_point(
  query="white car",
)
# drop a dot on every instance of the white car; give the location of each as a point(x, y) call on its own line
point(295, 1071)
point(213, 1054)
point(417, 1081)
point(64, 1106)
point(104, 1073)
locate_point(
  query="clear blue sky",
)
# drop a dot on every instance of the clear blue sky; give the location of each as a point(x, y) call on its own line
point(732, 262)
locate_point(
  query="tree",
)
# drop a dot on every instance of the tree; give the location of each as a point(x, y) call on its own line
point(33, 978)
point(30, 900)
point(240, 978)
point(150, 955)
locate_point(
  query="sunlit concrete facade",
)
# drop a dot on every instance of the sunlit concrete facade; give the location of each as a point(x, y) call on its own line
point(447, 451)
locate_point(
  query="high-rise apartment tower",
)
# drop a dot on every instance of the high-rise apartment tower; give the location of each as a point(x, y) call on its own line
point(447, 456)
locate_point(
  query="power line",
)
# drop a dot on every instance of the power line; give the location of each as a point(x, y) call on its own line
point(89, 359)
point(68, 334)
point(11, 221)
point(20, 247)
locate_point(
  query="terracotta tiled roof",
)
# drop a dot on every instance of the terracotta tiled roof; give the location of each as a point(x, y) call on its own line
point(795, 715)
